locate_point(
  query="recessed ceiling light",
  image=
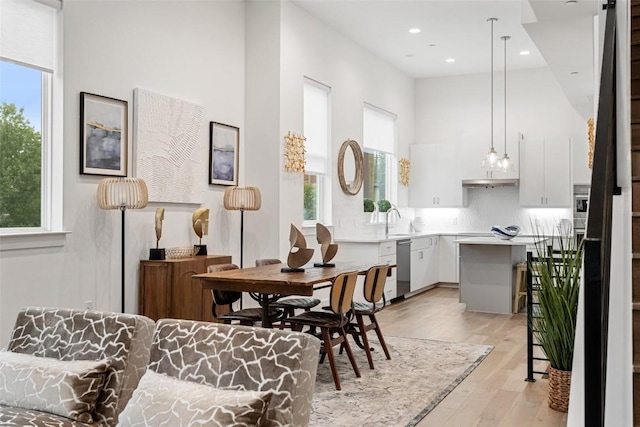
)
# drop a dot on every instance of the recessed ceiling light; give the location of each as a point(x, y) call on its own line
point(414, 30)
point(524, 52)
point(409, 55)
point(570, 2)
point(573, 73)
point(449, 60)
point(432, 45)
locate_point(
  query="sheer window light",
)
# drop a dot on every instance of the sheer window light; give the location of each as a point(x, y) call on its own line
point(317, 185)
point(379, 139)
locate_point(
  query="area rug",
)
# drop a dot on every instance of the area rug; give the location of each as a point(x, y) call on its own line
point(398, 392)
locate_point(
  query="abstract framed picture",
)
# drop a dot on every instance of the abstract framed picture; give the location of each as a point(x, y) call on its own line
point(103, 135)
point(224, 141)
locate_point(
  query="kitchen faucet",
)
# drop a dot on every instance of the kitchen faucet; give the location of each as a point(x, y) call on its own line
point(386, 225)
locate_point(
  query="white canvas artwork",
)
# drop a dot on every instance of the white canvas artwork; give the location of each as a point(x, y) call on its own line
point(170, 156)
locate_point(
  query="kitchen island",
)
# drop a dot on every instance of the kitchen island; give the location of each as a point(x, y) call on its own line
point(488, 271)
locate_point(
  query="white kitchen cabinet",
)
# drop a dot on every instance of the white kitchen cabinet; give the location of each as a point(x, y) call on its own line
point(545, 173)
point(369, 253)
point(448, 259)
point(424, 262)
point(434, 178)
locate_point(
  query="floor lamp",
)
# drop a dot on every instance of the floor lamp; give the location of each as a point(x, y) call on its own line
point(242, 199)
point(123, 194)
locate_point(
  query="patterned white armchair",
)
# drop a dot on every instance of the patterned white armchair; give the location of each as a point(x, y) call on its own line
point(220, 375)
point(73, 368)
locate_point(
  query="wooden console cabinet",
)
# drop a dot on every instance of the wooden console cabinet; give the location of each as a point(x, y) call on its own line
point(168, 291)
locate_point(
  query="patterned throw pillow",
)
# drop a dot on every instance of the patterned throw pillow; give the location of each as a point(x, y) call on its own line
point(66, 388)
point(161, 400)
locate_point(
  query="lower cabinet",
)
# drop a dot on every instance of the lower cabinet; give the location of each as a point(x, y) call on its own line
point(168, 291)
point(448, 259)
point(424, 262)
point(370, 252)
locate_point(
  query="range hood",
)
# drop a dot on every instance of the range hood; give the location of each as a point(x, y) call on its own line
point(490, 183)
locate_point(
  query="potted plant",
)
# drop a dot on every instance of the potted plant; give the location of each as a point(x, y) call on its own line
point(368, 205)
point(384, 205)
point(556, 278)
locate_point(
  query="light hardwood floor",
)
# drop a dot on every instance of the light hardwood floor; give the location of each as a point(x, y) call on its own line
point(495, 393)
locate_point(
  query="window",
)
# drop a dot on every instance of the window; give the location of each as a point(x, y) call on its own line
point(317, 186)
point(379, 138)
point(30, 148)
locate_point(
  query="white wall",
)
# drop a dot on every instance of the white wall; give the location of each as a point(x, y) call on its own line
point(188, 50)
point(312, 49)
point(263, 158)
point(619, 398)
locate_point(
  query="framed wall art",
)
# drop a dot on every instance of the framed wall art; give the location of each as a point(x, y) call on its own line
point(103, 135)
point(224, 141)
point(170, 145)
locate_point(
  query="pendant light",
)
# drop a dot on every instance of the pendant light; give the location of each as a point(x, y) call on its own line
point(491, 159)
point(505, 162)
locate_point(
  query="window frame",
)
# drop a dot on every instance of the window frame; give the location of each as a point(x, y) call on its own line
point(51, 232)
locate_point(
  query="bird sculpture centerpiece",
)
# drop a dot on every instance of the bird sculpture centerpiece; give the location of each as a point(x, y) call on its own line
point(200, 220)
point(329, 250)
point(158, 253)
point(299, 254)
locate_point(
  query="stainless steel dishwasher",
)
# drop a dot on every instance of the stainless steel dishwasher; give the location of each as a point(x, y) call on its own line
point(403, 275)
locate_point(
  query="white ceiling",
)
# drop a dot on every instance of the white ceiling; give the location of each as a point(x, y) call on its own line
point(557, 34)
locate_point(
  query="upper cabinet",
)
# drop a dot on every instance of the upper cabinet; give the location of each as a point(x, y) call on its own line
point(435, 181)
point(545, 173)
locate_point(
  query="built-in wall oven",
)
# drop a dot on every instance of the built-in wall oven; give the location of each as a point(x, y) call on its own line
point(580, 210)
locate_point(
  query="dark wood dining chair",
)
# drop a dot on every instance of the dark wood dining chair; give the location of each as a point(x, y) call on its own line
point(374, 283)
point(290, 304)
point(244, 316)
point(331, 323)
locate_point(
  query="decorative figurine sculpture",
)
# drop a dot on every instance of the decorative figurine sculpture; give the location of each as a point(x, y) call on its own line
point(158, 253)
point(299, 254)
point(329, 250)
point(200, 221)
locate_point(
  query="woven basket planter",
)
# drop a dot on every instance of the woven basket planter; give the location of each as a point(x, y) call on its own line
point(559, 385)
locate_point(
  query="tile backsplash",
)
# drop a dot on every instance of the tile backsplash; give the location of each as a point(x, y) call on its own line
point(485, 207)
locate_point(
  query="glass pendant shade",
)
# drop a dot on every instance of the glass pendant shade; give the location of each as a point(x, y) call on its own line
point(505, 164)
point(491, 159)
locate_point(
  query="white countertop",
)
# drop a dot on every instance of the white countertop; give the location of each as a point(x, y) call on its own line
point(516, 241)
point(391, 237)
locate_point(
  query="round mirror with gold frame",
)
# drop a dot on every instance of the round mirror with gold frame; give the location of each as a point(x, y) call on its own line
point(350, 167)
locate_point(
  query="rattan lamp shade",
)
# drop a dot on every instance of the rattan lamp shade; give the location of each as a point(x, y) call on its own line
point(242, 199)
point(122, 193)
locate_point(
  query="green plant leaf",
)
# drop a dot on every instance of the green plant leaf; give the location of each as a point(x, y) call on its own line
point(556, 278)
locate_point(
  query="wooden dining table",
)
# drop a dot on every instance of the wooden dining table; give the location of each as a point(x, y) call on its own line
point(268, 281)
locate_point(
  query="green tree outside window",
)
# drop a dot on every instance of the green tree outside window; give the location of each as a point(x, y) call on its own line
point(20, 169)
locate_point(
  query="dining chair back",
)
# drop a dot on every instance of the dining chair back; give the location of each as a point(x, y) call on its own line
point(374, 284)
point(341, 296)
point(244, 316)
point(331, 323)
point(290, 304)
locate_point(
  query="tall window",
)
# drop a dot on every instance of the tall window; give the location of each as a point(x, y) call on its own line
point(317, 186)
point(28, 58)
point(379, 138)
